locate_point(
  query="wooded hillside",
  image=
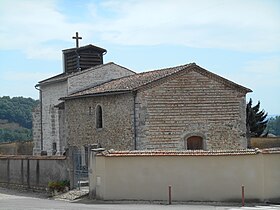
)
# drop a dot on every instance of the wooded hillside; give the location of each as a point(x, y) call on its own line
point(16, 118)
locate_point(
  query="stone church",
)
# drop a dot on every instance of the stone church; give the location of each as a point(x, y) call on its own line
point(181, 108)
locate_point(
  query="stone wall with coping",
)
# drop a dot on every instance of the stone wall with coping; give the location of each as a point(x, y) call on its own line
point(33, 171)
point(191, 104)
point(17, 148)
point(265, 142)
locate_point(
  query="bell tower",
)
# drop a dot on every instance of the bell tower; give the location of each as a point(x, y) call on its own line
point(81, 58)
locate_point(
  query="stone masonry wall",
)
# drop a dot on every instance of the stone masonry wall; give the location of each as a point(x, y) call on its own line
point(36, 129)
point(117, 131)
point(96, 75)
point(62, 137)
point(53, 118)
point(32, 171)
point(191, 104)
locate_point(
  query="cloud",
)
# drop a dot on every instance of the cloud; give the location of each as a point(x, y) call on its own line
point(31, 26)
point(236, 25)
point(40, 28)
point(263, 73)
point(269, 65)
point(21, 76)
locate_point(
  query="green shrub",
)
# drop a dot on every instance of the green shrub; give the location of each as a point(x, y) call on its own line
point(59, 186)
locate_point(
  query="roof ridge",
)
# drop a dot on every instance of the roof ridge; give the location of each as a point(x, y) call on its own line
point(152, 71)
point(139, 79)
point(169, 68)
point(145, 79)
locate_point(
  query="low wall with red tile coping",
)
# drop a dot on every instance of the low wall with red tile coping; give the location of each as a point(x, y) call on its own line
point(192, 175)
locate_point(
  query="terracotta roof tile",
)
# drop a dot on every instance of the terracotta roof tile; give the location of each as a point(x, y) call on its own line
point(132, 82)
point(112, 153)
point(137, 81)
point(271, 151)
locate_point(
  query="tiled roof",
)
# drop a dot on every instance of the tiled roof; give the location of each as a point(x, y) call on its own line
point(132, 82)
point(56, 78)
point(136, 81)
point(271, 151)
point(112, 153)
point(64, 76)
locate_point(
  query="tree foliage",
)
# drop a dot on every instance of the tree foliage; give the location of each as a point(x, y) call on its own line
point(255, 120)
point(23, 134)
point(273, 125)
point(17, 109)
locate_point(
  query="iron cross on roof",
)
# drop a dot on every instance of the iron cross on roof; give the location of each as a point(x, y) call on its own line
point(77, 39)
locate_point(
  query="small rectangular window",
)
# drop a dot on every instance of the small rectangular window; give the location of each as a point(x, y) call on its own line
point(54, 150)
point(90, 110)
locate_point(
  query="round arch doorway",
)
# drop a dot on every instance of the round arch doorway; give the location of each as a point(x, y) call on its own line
point(194, 143)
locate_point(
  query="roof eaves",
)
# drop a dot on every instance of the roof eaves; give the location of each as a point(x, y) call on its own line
point(51, 82)
point(96, 94)
point(53, 77)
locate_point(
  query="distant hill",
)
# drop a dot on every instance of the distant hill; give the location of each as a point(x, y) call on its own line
point(16, 118)
point(273, 125)
point(272, 116)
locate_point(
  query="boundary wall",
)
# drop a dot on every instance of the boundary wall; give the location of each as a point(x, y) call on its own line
point(193, 175)
point(32, 171)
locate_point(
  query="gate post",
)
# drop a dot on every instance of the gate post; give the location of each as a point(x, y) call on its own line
point(71, 167)
point(91, 174)
point(92, 171)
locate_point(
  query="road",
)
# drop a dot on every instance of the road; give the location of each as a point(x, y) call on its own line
point(14, 200)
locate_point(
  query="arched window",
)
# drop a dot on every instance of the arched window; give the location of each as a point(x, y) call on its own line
point(194, 143)
point(99, 117)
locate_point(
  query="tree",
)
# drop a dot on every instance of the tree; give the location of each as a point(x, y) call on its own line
point(255, 120)
point(273, 125)
point(17, 109)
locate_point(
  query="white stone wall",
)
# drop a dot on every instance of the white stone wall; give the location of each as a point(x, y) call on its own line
point(50, 98)
point(95, 76)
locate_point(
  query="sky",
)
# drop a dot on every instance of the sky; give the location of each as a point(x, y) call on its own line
point(236, 39)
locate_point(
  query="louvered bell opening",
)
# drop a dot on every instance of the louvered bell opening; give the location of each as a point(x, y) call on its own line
point(81, 59)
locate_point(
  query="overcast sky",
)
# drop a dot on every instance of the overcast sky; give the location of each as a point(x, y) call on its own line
point(236, 39)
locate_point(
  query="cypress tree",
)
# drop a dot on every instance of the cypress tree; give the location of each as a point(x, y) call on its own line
point(255, 120)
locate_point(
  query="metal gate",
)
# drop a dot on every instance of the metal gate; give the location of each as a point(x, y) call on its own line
point(80, 167)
